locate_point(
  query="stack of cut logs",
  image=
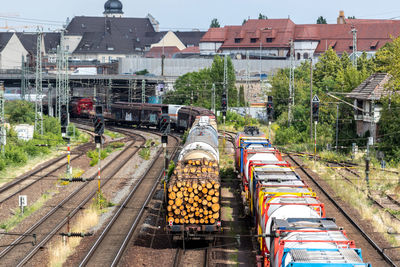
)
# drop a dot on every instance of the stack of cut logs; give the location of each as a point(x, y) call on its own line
point(193, 193)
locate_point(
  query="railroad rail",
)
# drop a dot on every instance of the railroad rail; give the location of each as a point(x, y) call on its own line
point(18, 253)
point(26, 181)
point(112, 242)
point(370, 241)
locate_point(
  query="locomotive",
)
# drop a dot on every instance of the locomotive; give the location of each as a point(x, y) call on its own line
point(291, 224)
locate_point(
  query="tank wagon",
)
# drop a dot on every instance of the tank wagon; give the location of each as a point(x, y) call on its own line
point(291, 223)
point(193, 191)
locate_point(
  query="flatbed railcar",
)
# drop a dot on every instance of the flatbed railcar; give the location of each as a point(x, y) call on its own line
point(193, 192)
point(292, 228)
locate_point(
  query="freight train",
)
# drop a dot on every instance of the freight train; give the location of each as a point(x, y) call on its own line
point(135, 114)
point(292, 228)
point(193, 191)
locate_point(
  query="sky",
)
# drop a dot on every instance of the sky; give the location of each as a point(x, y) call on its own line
point(187, 15)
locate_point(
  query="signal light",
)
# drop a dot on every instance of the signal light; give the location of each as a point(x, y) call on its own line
point(270, 109)
point(164, 139)
point(64, 116)
point(315, 111)
point(164, 123)
point(99, 110)
point(99, 125)
point(224, 103)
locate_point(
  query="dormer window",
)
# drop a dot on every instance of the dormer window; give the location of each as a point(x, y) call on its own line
point(269, 40)
point(374, 44)
point(253, 40)
point(237, 40)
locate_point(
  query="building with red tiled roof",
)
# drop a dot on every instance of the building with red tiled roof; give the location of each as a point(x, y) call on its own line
point(158, 51)
point(270, 38)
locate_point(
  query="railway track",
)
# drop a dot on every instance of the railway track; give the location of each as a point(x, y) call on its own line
point(110, 245)
point(371, 249)
point(19, 252)
point(193, 257)
point(384, 201)
point(18, 185)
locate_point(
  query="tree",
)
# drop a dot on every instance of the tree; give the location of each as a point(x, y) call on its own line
point(261, 16)
point(215, 23)
point(351, 17)
point(199, 84)
point(387, 59)
point(244, 21)
point(242, 100)
point(389, 127)
point(321, 20)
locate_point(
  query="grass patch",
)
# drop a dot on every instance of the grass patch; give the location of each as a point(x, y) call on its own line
point(357, 196)
point(58, 252)
point(105, 152)
point(18, 216)
point(144, 153)
point(101, 203)
point(113, 135)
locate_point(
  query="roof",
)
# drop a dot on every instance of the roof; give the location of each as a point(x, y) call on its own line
point(268, 32)
point(277, 33)
point(214, 35)
point(340, 37)
point(4, 39)
point(158, 51)
point(191, 49)
point(111, 34)
point(191, 38)
point(373, 88)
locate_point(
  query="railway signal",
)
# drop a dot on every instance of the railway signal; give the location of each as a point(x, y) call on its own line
point(165, 121)
point(315, 108)
point(270, 109)
point(99, 125)
point(315, 113)
point(99, 121)
point(224, 103)
point(64, 119)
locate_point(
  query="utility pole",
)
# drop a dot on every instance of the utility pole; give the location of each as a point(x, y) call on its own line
point(311, 98)
point(247, 79)
point(66, 79)
point(50, 99)
point(354, 32)
point(109, 94)
point(291, 83)
point(39, 86)
point(23, 79)
point(130, 92)
point(226, 78)
point(3, 135)
point(337, 126)
point(143, 91)
point(213, 99)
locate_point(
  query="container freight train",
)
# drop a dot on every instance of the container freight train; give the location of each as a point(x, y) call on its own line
point(193, 191)
point(291, 223)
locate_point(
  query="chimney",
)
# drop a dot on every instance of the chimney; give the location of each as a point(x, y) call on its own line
point(341, 19)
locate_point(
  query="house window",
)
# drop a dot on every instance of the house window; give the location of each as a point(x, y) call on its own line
point(253, 40)
point(269, 40)
point(237, 40)
point(305, 55)
point(360, 106)
point(298, 56)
